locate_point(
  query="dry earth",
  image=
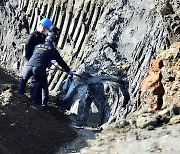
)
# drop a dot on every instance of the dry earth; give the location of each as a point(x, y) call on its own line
point(161, 140)
point(26, 129)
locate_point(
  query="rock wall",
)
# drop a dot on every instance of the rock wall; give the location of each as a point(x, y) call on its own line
point(109, 42)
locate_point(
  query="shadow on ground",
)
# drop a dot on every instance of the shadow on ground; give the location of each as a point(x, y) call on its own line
point(25, 129)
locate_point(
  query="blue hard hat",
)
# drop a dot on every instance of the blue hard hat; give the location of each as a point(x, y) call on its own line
point(46, 22)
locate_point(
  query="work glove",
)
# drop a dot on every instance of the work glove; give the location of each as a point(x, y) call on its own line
point(53, 61)
point(70, 72)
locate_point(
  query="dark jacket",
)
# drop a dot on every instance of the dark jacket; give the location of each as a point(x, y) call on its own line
point(33, 40)
point(42, 56)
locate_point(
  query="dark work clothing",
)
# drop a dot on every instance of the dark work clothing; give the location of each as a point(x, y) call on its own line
point(36, 66)
point(42, 56)
point(32, 89)
point(54, 30)
point(27, 73)
point(41, 81)
point(33, 40)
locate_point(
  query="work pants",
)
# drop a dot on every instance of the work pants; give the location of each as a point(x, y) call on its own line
point(40, 81)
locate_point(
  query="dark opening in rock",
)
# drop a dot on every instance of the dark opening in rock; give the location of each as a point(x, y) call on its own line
point(13, 44)
point(171, 79)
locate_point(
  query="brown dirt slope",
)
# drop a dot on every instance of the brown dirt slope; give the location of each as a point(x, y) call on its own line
point(26, 129)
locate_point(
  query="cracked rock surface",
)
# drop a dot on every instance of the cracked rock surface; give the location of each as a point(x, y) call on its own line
point(110, 42)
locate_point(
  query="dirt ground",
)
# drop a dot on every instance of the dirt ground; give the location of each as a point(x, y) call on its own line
point(25, 129)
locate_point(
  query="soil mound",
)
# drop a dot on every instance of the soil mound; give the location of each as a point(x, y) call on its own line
point(27, 129)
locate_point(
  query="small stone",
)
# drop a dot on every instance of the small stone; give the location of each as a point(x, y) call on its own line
point(13, 124)
point(150, 127)
point(175, 120)
point(143, 122)
point(164, 112)
point(159, 150)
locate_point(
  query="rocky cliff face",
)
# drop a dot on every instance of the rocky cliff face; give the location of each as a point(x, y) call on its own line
point(154, 128)
point(109, 42)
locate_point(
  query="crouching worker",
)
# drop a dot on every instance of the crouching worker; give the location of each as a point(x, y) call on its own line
point(42, 56)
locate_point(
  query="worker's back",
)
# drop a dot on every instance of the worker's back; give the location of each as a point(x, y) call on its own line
point(43, 54)
point(33, 40)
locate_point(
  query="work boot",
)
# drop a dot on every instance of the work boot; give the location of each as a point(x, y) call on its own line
point(35, 105)
point(44, 108)
point(22, 97)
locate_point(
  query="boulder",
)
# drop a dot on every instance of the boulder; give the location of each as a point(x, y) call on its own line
point(146, 120)
point(152, 88)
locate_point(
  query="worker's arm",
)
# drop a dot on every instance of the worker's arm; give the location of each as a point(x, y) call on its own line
point(61, 62)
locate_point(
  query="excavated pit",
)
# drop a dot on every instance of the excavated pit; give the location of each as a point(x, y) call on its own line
point(112, 41)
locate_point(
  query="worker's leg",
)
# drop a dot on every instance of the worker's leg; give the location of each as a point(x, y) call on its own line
point(37, 94)
point(26, 75)
point(41, 79)
point(35, 86)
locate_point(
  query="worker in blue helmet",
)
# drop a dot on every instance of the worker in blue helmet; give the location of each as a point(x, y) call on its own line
point(42, 56)
point(35, 38)
point(46, 23)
